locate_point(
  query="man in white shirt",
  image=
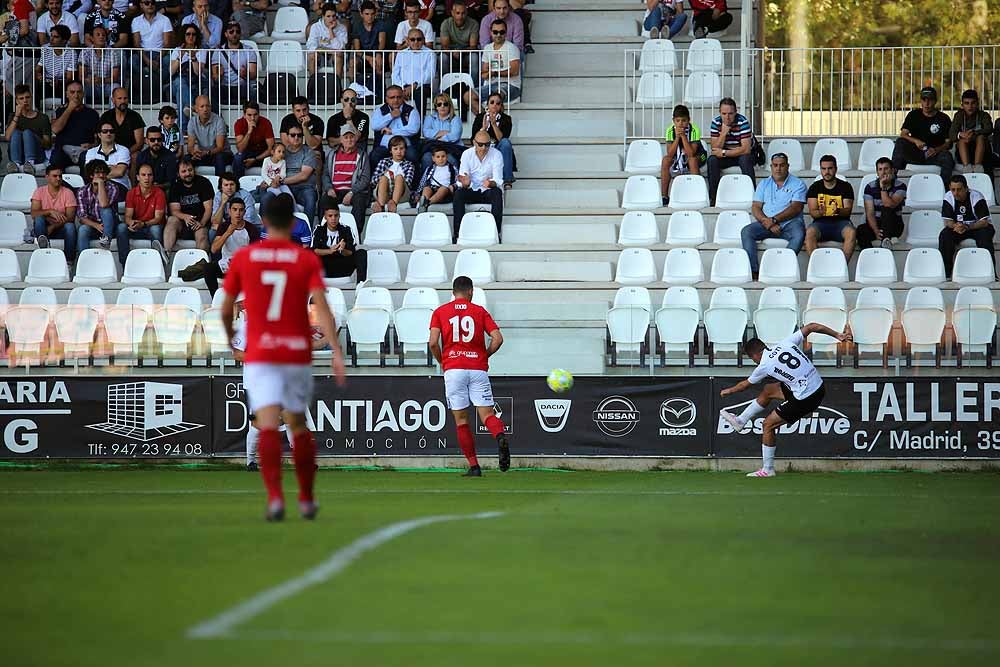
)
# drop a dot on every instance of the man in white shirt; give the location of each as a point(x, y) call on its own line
point(480, 181)
point(116, 156)
point(500, 66)
point(56, 16)
point(151, 32)
point(412, 11)
point(797, 382)
point(414, 70)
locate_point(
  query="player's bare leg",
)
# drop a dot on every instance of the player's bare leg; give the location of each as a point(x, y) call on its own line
point(769, 446)
point(467, 442)
point(770, 392)
point(496, 427)
point(304, 456)
point(269, 452)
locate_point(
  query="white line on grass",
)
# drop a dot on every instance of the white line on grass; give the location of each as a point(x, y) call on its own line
point(331, 567)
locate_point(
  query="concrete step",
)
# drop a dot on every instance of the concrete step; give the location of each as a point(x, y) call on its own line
point(536, 199)
point(605, 90)
point(563, 158)
point(573, 124)
point(587, 24)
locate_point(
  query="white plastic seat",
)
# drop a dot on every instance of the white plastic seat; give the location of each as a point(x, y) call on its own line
point(16, 191)
point(644, 155)
point(658, 55)
point(871, 321)
point(95, 266)
point(922, 168)
point(426, 267)
point(838, 148)
point(704, 55)
point(859, 191)
point(731, 266)
point(726, 320)
point(411, 324)
point(373, 297)
point(924, 266)
point(215, 333)
point(478, 229)
point(728, 228)
point(686, 228)
point(828, 306)
point(184, 258)
point(688, 192)
point(184, 296)
point(735, 191)
point(87, 296)
point(125, 325)
point(641, 192)
point(777, 314)
point(431, 230)
point(925, 191)
point(635, 267)
point(924, 228)
point(827, 266)
point(703, 89)
point(974, 320)
point(638, 228)
point(143, 267)
point(421, 297)
point(790, 147)
point(872, 150)
point(75, 328)
point(368, 328)
point(174, 326)
point(26, 328)
point(212, 179)
point(290, 23)
point(876, 266)
point(628, 331)
point(10, 268)
point(250, 183)
point(983, 183)
point(12, 227)
point(655, 88)
point(973, 266)
point(677, 320)
point(136, 296)
point(74, 181)
point(38, 295)
point(633, 296)
point(383, 267)
point(47, 266)
point(683, 267)
point(476, 264)
point(337, 303)
point(779, 266)
point(450, 79)
point(924, 297)
point(923, 320)
point(384, 230)
point(285, 56)
point(876, 297)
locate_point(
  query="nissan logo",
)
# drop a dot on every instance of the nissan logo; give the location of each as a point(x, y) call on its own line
point(678, 412)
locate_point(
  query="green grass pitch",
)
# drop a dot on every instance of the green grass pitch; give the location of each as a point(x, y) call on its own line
point(113, 567)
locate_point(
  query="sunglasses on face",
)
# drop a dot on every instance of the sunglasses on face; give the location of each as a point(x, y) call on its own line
point(499, 32)
point(295, 135)
point(443, 104)
point(416, 39)
point(482, 144)
point(107, 131)
point(349, 100)
point(190, 34)
point(154, 140)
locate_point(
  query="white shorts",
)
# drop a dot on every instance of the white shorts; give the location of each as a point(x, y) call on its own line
point(287, 385)
point(463, 386)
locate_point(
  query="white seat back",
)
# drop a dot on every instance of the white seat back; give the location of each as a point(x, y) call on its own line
point(924, 228)
point(26, 327)
point(47, 266)
point(186, 296)
point(373, 297)
point(174, 326)
point(644, 155)
point(779, 266)
point(143, 267)
point(638, 228)
point(290, 23)
point(285, 56)
point(635, 267)
point(688, 192)
point(655, 89)
point(38, 295)
point(924, 266)
point(703, 89)
point(412, 324)
point(683, 267)
point(75, 327)
point(731, 266)
point(476, 264)
point(925, 191)
point(431, 230)
point(735, 192)
point(384, 230)
point(837, 148)
point(368, 327)
point(136, 296)
point(876, 297)
point(686, 228)
point(95, 267)
point(983, 183)
point(16, 191)
point(704, 55)
point(125, 326)
point(383, 267)
point(827, 266)
point(730, 297)
point(876, 266)
point(641, 192)
point(426, 267)
point(87, 296)
point(728, 228)
point(184, 258)
point(633, 296)
point(790, 147)
point(658, 55)
point(973, 266)
point(872, 150)
point(628, 325)
point(12, 228)
point(478, 229)
point(421, 297)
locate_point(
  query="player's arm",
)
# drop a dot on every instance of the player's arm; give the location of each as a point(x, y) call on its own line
point(496, 340)
point(434, 341)
point(814, 327)
point(742, 385)
point(228, 302)
point(328, 326)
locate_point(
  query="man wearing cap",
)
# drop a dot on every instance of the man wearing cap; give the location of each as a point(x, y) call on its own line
point(923, 138)
point(347, 175)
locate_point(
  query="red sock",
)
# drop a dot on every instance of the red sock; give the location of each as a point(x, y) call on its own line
point(468, 444)
point(269, 453)
point(304, 455)
point(494, 425)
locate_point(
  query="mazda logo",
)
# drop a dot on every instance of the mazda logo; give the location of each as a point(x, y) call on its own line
point(678, 412)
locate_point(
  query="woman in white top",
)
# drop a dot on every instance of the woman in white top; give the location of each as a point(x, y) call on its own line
point(188, 70)
point(326, 34)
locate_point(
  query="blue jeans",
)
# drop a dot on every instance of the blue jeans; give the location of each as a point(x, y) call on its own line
point(656, 20)
point(508, 90)
point(793, 231)
point(85, 233)
point(304, 194)
point(123, 236)
point(507, 150)
point(67, 232)
point(239, 169)
point(25, 147)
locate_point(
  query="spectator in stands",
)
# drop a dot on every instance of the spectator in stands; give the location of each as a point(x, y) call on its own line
point(710, 16)
point(95, 206)
point(251, 15)
point(171, 132)
point(206, 138)
point(830, 201)
point(732, 140)
point(162, 161)
point(115, 157)
point(685, 154)
point(389, 13)
point(369, 35)
point(57, 64)
point(301, 230)
point(414, 70)
point(347, 175)
point(300, 167)
point(966, 216)
point(413, 22)
point(664, 16)
point(145, 213)
point(112, 20)
point(498, 125)
point(310, 124)
point(18, 64)
point(56, 16)
point(460, 33)
point(28, 132)
point(883, 207)
point(392, 177)
point(923, 138)
point(395, 118)
point(234, 69)
point(53, 210)
point(515, 26)
point(348, 115)
point(221, 8)
point(74, 128)
point(442, 129)
point(209, 24)
point(777, 211)
point(151, 32)
point(518, 7)
point(229, 192)
point(336, 246)
point(970, 132)
point(480, 177)
point(188, 71)
point(231, 235)
point(190, 209)
point(254, 139)
point(78, 8)
point(327, 34)
point(500, 69)
point(127, 123)
point(100, 67)
point(438, 182)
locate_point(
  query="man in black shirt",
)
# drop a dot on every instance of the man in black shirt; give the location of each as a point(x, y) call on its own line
point(311, 124)
point(966, 216)
point(163, 162)
point(923, 138)
point(127, 122)
point(74, 128)
point(883, 207)
point(336, 247)
point(830, 201)
point(349, 114)
point(190, 204)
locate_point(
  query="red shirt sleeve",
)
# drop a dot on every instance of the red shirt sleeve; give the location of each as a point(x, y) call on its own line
point(314, 279)
point(240, 126)
point(489, 326)
point(435, 319)
point(159, 199)
point(233, 282)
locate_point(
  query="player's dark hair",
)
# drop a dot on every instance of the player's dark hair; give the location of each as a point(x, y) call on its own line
point(461, 284)
point(300, 100)
point(328, 203)
point(753, 347)
point(828, 158)
point(94, 166)
point(229, 176)
point(368, 4)
point(62, 30)
point(681, 111)
point(280, 212)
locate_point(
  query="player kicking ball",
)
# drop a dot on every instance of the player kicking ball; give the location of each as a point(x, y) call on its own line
point(277, 278)
point(457, 341)
point(798, 384)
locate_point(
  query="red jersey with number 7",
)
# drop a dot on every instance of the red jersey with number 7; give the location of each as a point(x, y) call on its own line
point(276, 277)
point(463, 326)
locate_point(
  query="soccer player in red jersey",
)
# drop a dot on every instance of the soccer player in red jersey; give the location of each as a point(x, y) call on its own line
point(277, 277)
point(460, 328)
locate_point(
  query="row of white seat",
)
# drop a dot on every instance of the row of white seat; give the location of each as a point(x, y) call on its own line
point(702, 55)
point(827, 266)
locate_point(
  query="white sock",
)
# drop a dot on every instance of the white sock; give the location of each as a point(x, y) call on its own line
point(750, 411)
point(252, 435)
point(767, 453)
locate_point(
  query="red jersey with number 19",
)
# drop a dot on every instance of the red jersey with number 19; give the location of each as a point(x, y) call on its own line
point(276, 278)
point(463, 326)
